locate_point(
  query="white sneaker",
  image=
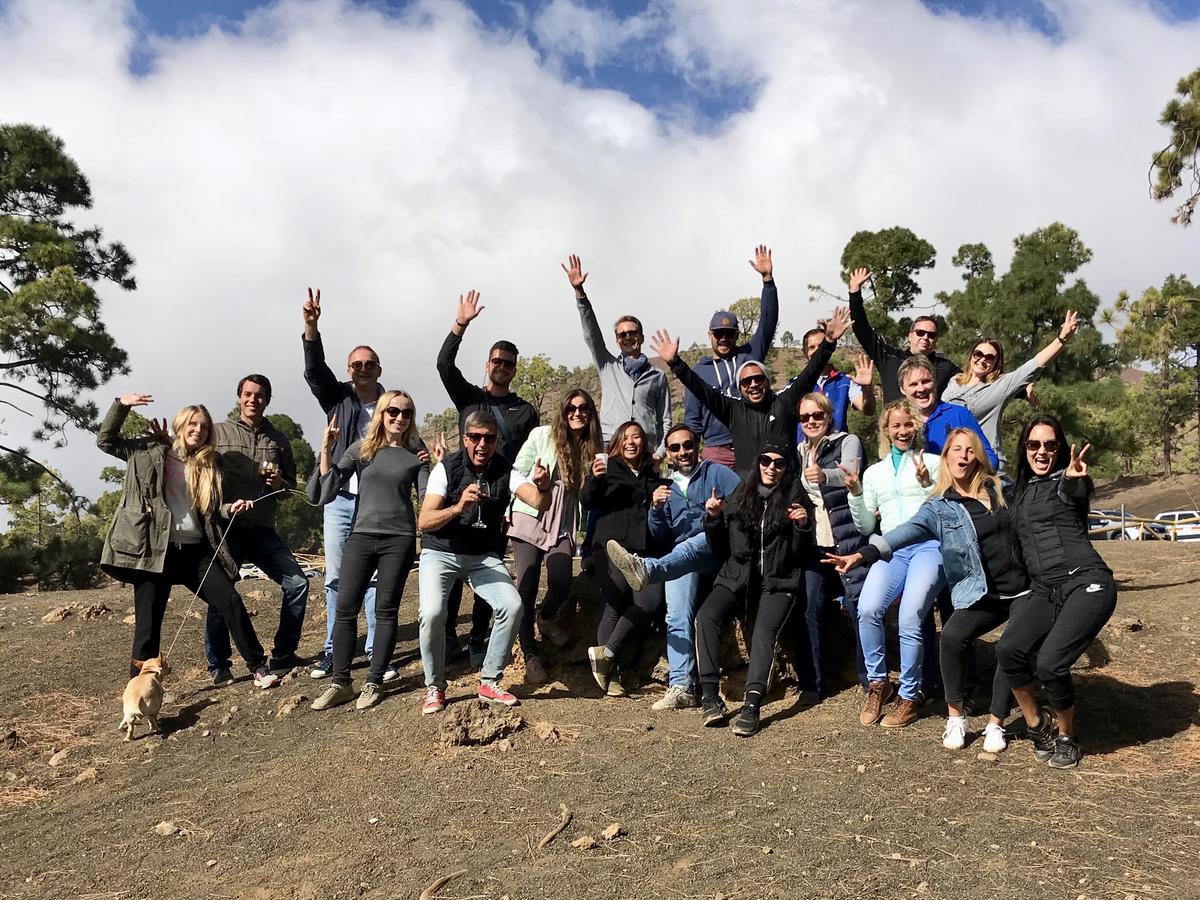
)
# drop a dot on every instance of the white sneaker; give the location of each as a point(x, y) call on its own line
point(993, 738)
point(955, 735)
point(390, 674)
point(675, 698)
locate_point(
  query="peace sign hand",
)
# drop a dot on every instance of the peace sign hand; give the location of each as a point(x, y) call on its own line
point(311, 311)
point(714, 505)
point(540, 475)
point(1069, 326)
point(1078, 468)
point(922, 470)
point(853, 482)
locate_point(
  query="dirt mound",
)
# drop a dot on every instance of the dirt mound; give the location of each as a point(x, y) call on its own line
point(475, 724)
point(1147, 495)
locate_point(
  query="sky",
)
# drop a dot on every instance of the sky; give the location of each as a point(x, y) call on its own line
point(398, 154)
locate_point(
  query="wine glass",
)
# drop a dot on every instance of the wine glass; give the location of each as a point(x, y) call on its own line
point(484, 493)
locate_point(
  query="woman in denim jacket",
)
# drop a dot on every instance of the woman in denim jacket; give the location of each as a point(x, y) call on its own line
point(967, 514)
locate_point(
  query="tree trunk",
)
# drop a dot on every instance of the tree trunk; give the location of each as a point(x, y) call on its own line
point(1167, 451)
point(1196, 350)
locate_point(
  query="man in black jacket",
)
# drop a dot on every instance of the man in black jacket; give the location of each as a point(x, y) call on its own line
point(922, 338)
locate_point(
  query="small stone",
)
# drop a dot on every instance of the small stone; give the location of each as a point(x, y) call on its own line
point(586, 842)
point(374, 820)
point(166, 829)
point(56, 615)
point(209, 863)
point(58, 757)
point(205, 733)
point(129, 620)
point(288, 706)
point(94, 611)
point(767, 851)
point(923, 887)
point(868, 818)
point(233, 709)
point(87, 776)
point(985, 756)
point(616, 829)
point(861, 770)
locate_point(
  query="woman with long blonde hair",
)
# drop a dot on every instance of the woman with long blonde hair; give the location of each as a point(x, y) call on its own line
point(167, 529)
point(967, 513)
point(383, 540)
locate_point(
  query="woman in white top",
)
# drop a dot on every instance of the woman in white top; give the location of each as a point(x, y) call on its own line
point(893, 489)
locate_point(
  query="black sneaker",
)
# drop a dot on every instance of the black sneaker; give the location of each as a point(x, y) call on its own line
point(713, 711)
point(455, 650)
point(287, 662)
point(222, 677)
point(1067, 753)
point(746, 723)
point(1042, 736)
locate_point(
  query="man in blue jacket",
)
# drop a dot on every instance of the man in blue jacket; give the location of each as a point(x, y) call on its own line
point(677, 516)
point(720, 369)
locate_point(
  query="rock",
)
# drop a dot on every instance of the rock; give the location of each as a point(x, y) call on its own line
point(226, 719)
point(87, 776)
point(129, 620)
point(616, 829)
point(1124, 625)
point(94, 611)
point(861, 770)
point(587, 842)
point(767, 851)
point(548, 731)
point(57, 614)
point(209, 863)
point(57, 758)
point(986, 757)
point(11, 739)
point(205, 733)
point(166, 829)
point(504, 745)
point(476, 724)
point(374, 820)
point(288, 706)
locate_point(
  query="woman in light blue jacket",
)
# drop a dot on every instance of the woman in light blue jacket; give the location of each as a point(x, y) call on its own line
point(968, 515)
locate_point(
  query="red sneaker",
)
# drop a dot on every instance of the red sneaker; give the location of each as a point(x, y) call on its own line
point(493, 693)
point(435, 701)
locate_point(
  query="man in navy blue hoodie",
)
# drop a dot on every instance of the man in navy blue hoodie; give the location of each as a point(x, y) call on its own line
point(720, 369)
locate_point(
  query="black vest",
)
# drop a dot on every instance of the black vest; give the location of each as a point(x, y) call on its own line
point(836, 501)
point(458, 535)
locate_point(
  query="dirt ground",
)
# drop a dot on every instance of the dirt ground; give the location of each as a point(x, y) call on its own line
point(271, 805)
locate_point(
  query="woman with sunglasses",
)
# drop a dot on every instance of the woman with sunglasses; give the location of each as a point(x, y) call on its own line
point(967, 514)
point(620, 489)
point(763, 533)
point(985, 388)
point(383, 539)
point(827, 457)
point(566, 448)
point(891, 492)
point(1074, 593)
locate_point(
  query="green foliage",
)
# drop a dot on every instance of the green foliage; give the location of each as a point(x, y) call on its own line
point(537, 379)
point(444, 423)
point(748, 311)
point(1180, 159)
point(299, 524)
point(895, 256)
point(50, 540)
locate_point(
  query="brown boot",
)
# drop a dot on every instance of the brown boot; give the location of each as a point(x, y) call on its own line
point(902, 714)
point(878, 694)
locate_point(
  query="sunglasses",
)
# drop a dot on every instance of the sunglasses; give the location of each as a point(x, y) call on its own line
point(628, 335)
point(397, 412)
point(724, 334)
point(364, 365)
point(682, 445)
point(484, 438)
point(752, 380)
point(574, 408)
point(772, 462)
point(925, 333)
point(500, 363)
point(979, 355)
point(818, 416)
point(1035, 446)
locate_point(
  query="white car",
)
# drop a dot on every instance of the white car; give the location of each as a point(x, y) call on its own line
point(1180, 524)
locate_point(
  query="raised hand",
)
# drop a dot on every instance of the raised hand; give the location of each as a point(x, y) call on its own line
point(1078, 468)
point(762, 263)
point(858, 278)
point(798, 515)
point(439, 447)
point(575, 274)
point(330, 436)
point(853, 482)
point(131, 400)
point(157, 429)
point(661, 343)
point(468, 307)
point(661, 495)
point(312, 310)
point(864, 370)
point(1069, 326)
point(1031, 395)
point(838, 323)
point(922, 470)
point(842, 563)
point(540, 475)
point(714, 505)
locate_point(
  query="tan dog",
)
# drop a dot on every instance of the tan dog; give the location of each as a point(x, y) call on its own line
point(143, 696)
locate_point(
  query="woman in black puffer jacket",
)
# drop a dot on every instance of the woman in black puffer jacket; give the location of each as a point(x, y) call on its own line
point(763, 537)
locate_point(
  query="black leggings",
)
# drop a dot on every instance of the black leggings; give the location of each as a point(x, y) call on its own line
point(558, 561)
point(958, 648)
point(1050, 631)
point(626, 612)
point(718, 608)
point(186, 564)
point(363, 555)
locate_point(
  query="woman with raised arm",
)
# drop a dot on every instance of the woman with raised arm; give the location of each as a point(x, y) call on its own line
point(763, 532)
point(893, 490)
point(985, 388)
point(1074, 593)
point(967, 514)
point(620, 489)
point(566, 448)
point(382, 541)
point(168, 528)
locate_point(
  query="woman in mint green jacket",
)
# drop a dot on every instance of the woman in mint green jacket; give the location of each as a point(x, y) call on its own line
point(566, 447)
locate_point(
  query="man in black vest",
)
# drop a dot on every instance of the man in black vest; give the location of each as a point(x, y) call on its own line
point(462, 539)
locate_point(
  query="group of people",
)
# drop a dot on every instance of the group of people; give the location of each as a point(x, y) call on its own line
point(765, 512)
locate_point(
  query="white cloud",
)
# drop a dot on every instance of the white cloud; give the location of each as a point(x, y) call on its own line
point(397, 160)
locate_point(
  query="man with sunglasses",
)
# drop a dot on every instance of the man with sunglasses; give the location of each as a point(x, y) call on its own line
point(677, 517)
point(922, 339)
point(257, 460)
point(842, 389)
point(350, 405)
point(720, 369)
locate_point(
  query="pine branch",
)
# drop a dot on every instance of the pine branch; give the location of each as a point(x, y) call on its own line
point(44, 468)
point(18, 363)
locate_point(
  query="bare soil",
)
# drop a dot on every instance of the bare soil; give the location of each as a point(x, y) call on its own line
point(1148, 495)
point(271, 804)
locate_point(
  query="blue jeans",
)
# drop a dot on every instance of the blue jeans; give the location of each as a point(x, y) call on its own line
point(486, 575)
point(914, 574)
point(339, 519)
point(262, 546)
point(821, 580)
point(682, 569)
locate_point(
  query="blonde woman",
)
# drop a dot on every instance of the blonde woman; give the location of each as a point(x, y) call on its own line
point(968, 515)
point(383, 539)
point(167, 529)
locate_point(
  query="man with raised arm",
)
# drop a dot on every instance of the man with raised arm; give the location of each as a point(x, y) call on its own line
point(350, 404)
point(720, 369)
point(760, 413)
point(922, 339)
point(843, 389)
point(630, 388)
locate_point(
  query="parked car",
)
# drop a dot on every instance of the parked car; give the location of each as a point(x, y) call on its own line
point(1106, 519)
point(1188, 528)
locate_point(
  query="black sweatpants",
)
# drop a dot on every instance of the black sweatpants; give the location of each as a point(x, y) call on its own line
point(627, 612)
point(1051, 630)
point(958, 649)
point(392, 557)
point(558, 561)
point(186, 564)
point(716, 610)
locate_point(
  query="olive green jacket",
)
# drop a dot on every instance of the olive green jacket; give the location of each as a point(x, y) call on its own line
point(140, 531)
